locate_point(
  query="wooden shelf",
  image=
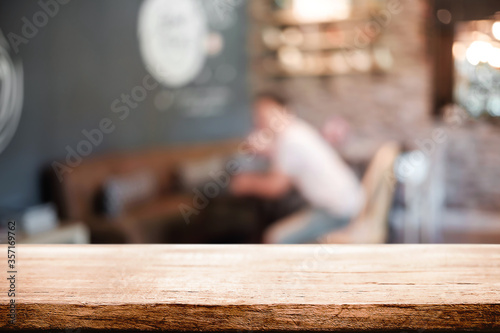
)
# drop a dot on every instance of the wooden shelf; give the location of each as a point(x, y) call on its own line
point(267, 288)
point(321, 42)
point(327, 63)
point(285, 19)
point(279, 34)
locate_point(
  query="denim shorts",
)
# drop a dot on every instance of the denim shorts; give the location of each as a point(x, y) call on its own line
point(319, 222)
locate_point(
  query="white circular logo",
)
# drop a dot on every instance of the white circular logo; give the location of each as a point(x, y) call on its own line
point(11, 94)
point(172, 36)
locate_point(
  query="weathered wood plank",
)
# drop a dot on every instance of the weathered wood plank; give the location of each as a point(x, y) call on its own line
point(212, 287)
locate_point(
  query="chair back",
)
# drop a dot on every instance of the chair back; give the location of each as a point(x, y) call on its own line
point(370, 225)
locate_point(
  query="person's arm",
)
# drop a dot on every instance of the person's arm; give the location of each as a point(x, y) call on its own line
point(269, 185)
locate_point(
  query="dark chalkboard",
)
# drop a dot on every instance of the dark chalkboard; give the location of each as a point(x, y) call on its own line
point(85, 57)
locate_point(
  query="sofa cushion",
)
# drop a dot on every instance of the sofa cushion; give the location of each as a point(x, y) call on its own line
point(122, 192)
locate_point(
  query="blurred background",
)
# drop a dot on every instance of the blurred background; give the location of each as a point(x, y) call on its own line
point(120, 120)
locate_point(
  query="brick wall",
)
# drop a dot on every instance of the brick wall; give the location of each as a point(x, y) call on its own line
point(380, 107)
point(397, 106)
point(473, 180)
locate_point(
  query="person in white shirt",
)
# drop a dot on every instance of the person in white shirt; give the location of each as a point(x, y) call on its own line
point(300, 157)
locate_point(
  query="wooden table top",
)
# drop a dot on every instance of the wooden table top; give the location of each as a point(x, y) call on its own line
point(255, 287)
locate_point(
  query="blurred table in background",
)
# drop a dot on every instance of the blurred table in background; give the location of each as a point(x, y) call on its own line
point(68, 233)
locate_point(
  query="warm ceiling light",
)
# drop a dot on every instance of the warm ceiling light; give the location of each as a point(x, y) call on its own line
point(495, 29)
point(478, 51)
point(319, 10)
point(494, 57)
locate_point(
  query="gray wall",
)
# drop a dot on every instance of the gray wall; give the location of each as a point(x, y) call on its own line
point(85, 57)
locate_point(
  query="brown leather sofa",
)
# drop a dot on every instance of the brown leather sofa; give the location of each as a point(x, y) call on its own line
point(77, 196)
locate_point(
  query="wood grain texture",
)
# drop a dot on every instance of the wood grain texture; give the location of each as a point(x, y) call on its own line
point(259, 287)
